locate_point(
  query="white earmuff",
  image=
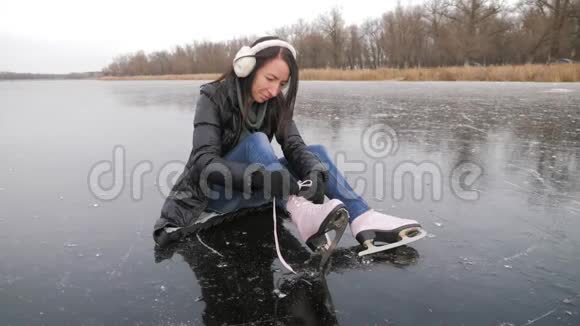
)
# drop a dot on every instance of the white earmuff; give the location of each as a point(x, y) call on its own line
point(244, 61)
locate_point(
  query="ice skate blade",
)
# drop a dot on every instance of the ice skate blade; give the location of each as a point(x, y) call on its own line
point(338, 225)
point(371, 248)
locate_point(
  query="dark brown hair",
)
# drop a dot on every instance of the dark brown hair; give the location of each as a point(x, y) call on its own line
point(282, 117)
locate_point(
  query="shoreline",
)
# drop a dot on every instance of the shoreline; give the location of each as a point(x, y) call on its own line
point(566, 72)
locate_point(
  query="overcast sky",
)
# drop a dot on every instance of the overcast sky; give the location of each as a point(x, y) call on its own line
point(61, 36)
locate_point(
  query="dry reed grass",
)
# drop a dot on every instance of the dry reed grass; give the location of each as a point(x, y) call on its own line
point(164, 77)
point(532, 73)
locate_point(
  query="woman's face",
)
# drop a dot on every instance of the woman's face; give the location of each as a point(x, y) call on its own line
point(270, 79)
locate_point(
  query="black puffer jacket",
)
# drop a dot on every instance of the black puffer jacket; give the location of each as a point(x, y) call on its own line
point(217, 128)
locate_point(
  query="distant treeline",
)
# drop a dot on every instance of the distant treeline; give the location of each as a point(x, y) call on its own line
point(436, 33)
point(4, 75)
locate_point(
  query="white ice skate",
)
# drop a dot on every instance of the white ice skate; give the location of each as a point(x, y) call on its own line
point(314, 222)
point(372, 227)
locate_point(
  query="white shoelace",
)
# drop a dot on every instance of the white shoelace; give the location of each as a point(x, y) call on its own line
point(301, 184)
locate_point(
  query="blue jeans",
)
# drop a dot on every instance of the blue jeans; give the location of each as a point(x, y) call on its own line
point(256, 148)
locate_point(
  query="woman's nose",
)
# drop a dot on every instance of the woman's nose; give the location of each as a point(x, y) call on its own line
point(273, 90)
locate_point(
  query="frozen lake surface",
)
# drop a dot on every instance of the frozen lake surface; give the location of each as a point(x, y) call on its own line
point(491, 170)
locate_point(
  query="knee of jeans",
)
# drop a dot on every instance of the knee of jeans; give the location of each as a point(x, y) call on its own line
point(259, 138)
point(319, 150)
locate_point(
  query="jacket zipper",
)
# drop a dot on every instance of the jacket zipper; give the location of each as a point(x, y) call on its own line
point(239, 126)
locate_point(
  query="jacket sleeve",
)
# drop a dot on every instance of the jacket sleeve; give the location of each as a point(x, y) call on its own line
point(301, 160)
point(206, 154)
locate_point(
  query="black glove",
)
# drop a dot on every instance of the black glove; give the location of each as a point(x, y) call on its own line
point(273, 182)
point(316, 192)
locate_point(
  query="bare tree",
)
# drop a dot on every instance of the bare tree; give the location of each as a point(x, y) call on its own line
point(440, 42)
point(404, 36)
point(332, 27)
point(440, 32)
point(353, 50)
point(159, 63)
point(555, 14)
point(470, 18)
point(372, 43)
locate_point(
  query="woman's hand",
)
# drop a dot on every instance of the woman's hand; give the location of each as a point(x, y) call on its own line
point(315, 193)
point(275, 181)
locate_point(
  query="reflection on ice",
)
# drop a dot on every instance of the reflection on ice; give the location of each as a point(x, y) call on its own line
point(241, 283)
